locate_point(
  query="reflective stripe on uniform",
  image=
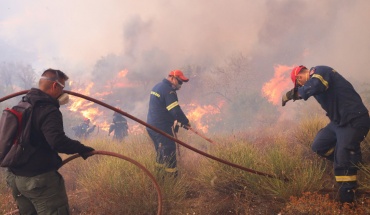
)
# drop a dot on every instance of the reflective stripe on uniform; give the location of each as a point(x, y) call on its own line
point(161, 165)
point(346, 178)
point(170, 169)
point(155, 94)
point(329, 152)
point(174, 104)
point(323, 81)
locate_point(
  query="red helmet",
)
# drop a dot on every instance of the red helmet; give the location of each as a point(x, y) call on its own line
point(295, 72)
point(179, 74)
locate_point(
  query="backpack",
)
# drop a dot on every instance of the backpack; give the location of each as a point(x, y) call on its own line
point(15, 129)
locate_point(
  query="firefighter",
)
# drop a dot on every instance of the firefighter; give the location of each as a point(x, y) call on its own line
point(83, 130)
point(349, 122)
point(164, 110)
point(119, 126)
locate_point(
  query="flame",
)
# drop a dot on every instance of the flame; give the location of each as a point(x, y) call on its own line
point(86, 108)
point(104, 126)
point(121, 81)
point(274, 88)
point(200, 116)
point(122, 73)
point(82, 106)
point(136, 129)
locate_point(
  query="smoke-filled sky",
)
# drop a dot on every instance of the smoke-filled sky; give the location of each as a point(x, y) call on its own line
point(74, 35)
point(95, 40)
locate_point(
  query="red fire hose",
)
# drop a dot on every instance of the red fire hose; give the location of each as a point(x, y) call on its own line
point(201, 135)
point(159, 211)
point(158, 131)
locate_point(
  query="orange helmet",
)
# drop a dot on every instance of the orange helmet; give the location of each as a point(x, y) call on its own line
point(295, 72)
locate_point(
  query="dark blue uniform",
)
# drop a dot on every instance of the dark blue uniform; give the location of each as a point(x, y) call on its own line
point(119, 126)
point(164, 109)
point(349, 123)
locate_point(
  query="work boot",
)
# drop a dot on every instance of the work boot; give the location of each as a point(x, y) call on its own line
point(347, 192)
point(171, 175)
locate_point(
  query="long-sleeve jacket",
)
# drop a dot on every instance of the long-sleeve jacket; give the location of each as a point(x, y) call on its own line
point(119, 126)
point(334, 93)
point(164, 107)
point(47, 135)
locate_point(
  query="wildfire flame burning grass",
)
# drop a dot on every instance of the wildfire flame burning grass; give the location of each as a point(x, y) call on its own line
point(83, 106)
point(105, 185)
point(274, 89)
point(200, 116)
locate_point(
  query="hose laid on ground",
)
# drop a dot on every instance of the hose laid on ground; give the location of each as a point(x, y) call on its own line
point(159, 211)
point(158, 131)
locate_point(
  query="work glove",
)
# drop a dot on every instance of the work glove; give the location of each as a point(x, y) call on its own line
point(290, 95)
point(86, 153)
point(176, 128)
point(186, 126)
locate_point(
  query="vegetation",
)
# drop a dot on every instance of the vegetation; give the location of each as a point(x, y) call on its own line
point(108, 185)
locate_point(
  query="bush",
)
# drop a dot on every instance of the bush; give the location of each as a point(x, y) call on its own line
point(314, 203)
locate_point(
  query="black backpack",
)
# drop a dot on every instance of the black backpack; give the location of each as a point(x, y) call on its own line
point(15, 129)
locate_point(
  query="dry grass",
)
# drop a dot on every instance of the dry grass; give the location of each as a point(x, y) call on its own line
point(108, 185)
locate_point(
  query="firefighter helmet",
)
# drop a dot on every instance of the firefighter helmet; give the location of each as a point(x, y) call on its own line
point(295, 72)
point(179, 74)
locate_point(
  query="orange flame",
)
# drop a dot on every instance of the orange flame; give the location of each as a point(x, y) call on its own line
point(273, 89)
point(200, 116)
point(83, 106)
point(122, 73)
point(104, 126)
point(136, 129)
point(121, 81)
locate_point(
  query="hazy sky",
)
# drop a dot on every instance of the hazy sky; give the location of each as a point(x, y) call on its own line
point(95, 40)
point(74, 35)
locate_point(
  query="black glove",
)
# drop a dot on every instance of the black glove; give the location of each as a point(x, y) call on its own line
point(290, 95)
point(186, 126)
point(176, 128)
point(86, 153)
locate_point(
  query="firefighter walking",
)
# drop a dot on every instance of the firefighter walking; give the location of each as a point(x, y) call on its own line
point(349, 123)
point(164, 110)
point(119, 127)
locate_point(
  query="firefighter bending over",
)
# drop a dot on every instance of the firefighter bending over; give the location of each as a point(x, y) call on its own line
point(164, 109)
point(83, 130)
point(119, 126)
point(349, 123)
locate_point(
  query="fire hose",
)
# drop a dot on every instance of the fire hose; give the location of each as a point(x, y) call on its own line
point(159, 211)
point(201, 135)
point(158, 131)
point(197, 133)
point(146, 171)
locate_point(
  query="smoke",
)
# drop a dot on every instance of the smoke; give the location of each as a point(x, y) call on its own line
point(94, 41)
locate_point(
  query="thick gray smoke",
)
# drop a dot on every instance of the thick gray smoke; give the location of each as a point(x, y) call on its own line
point(227, 48)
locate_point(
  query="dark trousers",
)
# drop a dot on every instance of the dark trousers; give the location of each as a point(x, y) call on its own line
point(341, 144)
point(43, 194)
point(165, 148)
